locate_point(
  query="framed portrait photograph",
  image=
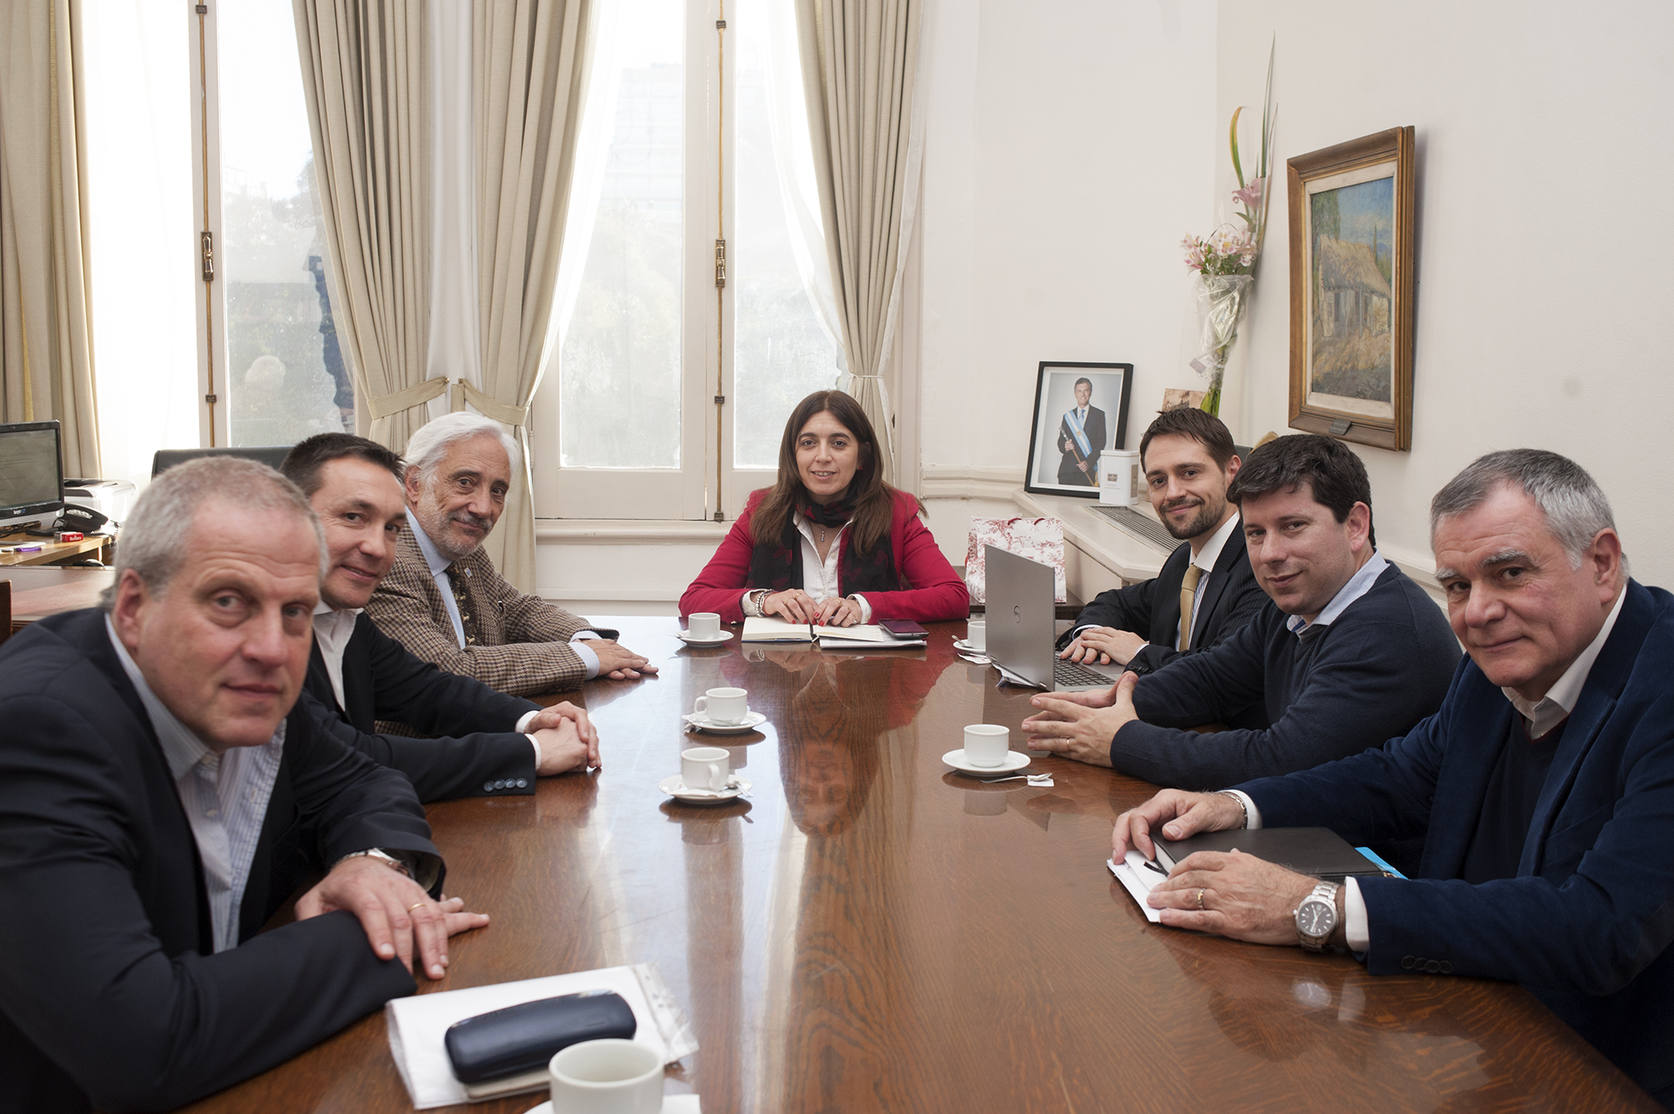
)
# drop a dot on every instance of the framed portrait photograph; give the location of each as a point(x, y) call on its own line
point(1351, 290)
point(1081, 412)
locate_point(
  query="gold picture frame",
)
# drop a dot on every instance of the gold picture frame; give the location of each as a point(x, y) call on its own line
point(1351, 289)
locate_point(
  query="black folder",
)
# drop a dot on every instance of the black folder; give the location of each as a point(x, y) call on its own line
point(1320, 852)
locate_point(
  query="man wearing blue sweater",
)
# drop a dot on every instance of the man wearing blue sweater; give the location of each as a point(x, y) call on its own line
point(1347, 653)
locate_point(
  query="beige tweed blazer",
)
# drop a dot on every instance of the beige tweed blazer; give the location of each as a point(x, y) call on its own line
point(524, 644)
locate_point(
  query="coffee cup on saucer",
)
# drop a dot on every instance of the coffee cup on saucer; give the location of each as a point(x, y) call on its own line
point(976, 634)
point(705, 768)
point(987, 744)
point(724, 706)
point(703, 626)
point(607, 1076)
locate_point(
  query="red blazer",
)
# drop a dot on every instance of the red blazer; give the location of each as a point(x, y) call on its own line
point(936, 592)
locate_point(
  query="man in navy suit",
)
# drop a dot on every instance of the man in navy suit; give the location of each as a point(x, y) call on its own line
point(161, 798)
point(485, 743)
point(1543, 788)
point(1189, 460)
point(1081, 438)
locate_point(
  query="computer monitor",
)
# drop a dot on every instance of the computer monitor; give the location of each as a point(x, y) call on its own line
point(31, 474)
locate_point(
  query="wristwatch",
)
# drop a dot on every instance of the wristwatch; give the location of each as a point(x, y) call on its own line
point(383, 857)
point(1316, 917)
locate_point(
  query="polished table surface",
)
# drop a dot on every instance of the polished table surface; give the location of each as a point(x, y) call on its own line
point(39, 591)
point(868, 931)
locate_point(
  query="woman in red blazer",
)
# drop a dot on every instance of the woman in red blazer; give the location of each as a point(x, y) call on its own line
point(829, 542)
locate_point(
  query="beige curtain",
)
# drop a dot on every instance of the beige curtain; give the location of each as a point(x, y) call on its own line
point(365, 75)
point(527, 75)
point(859, 66)
point(46, 328)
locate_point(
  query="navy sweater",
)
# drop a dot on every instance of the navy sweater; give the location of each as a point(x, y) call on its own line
point(1377, 669)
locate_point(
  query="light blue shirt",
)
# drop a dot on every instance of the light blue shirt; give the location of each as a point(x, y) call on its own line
point(438, 566)
point(1358, 585)
point(224, 796)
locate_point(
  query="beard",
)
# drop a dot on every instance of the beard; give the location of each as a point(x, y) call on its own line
point(1207, 518)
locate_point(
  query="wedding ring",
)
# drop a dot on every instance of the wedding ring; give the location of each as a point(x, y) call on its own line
point(1200, 899)
point(422, 904)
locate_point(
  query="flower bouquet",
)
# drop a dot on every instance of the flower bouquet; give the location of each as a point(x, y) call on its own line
point(1225, 260)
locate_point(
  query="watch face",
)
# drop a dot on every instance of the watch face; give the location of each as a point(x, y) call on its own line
point(1315, 917)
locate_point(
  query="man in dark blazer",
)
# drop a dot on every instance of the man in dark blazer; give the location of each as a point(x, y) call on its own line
point(160, 798)
point(483, 743)
point(1081, 438)
point(1188, 460)
point(1543, 788)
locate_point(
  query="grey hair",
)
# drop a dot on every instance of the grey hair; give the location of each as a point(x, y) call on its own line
point(1574, 505)
point(426, 447)
point(155, 534)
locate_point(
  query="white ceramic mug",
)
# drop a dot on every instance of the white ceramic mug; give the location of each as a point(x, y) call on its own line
point(987, 744)
point(705, 768)
point(724, 706)
point(976, 634)
point(609, 1076)
point(703, 624)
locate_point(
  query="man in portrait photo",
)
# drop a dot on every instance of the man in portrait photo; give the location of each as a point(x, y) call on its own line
point(1081, 437)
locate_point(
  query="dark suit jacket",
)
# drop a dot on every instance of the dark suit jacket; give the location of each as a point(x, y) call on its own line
point(1152, 608)
point(477, 751)
point(1587, 920)
point(109, 995)
point(1068, 473)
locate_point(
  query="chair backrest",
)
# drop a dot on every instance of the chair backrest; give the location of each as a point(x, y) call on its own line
point(5, 610)
point(270, 455)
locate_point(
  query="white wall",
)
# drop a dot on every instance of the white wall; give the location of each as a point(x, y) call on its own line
point(1069, 147)
point(1545, 151)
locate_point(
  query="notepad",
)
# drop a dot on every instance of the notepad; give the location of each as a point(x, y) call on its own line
point(1320, 852)
point(763, 628)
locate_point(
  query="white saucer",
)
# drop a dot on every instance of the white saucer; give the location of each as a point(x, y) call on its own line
point(1015, 760)
point(965, 647)
point(688, 639)
point(752, 720)
point(674, 787)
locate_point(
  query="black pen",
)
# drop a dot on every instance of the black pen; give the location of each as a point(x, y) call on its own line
point(1152, 863)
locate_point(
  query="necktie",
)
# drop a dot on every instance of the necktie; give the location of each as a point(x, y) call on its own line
point(467, 619)
point(1188, 596)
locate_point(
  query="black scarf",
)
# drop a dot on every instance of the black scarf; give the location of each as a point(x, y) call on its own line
point(777, 566)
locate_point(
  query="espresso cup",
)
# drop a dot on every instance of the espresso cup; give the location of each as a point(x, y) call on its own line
point(987, 744)
point(609, 1076)
point(976, 634)
point(703, 624)
point(724, 706)
point(705, 768)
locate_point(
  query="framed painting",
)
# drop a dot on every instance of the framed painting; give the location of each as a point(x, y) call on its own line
point(1351, 290)
point(1081, 412)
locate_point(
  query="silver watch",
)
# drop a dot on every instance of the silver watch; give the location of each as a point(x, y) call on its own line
point(1316, 917)
point(383, 857)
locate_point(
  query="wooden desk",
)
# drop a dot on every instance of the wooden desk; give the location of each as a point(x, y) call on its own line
point(51, 552)
point(868, 931)
point(39, 592)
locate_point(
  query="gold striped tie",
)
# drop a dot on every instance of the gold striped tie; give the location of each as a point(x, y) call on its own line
point(1188, 596)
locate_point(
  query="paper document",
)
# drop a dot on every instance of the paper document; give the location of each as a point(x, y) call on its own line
point(1138, 877)
point(763, 628)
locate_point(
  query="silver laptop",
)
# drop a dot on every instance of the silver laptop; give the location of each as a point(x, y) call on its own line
point(1021, 627)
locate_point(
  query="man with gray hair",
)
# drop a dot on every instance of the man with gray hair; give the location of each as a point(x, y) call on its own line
point(443, 598)
point(161, 796)
point(1543, 787)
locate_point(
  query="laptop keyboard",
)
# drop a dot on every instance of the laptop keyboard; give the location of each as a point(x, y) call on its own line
point(1075, 673)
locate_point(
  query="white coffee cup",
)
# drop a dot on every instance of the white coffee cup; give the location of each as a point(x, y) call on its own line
point(703, 624)
point(987, 744)
point(724, 706)
point(705, 768)
point(976, 634)
point(608, 1076)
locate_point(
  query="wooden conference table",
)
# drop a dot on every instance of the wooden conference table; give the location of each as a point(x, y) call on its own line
point(867, 931)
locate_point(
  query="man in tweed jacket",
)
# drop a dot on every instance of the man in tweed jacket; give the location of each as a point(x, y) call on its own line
point(444, 600)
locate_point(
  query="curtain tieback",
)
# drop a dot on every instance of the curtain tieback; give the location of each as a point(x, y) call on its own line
point(491, 407)
point(388, 405)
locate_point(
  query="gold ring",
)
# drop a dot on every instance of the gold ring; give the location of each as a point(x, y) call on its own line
point(1200, 899)
point(422, 904)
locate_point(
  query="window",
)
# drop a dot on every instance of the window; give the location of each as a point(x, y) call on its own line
point(196, 122)
point(694, 135)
